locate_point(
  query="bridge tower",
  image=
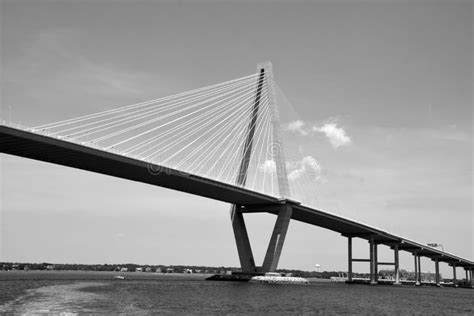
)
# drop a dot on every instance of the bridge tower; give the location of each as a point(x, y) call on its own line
point(283, 209)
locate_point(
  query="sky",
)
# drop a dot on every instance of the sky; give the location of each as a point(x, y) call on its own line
point(381, 96)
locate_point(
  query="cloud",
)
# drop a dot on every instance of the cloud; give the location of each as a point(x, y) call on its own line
point(119, 236)
point(268, 166)
point(297, 127)
point(336, 135)
point(308, 166)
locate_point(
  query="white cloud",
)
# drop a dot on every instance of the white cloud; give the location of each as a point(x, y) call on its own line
point(119, 236)
point(297, 127)
point(336, 135)
point(267, 167)
point(307, 166)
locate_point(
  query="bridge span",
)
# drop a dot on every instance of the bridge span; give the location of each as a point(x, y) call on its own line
point(27, 144)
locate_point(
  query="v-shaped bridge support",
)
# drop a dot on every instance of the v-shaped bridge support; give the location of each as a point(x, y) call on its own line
point(283, 210)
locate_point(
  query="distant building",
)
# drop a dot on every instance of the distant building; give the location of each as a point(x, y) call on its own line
point(158, 270)
point(169, 270)
point(138, 270)
point(124, 270)
point(148, 269)
point(188, 271)
point(50, 267)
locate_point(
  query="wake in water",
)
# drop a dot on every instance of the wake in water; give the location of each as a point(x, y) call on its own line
point(62, 300)
point(70, 293)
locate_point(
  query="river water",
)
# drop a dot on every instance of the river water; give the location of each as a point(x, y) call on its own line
point(76, 293)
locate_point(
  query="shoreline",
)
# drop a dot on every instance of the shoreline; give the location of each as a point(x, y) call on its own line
point(111, 273)
point(128, 275)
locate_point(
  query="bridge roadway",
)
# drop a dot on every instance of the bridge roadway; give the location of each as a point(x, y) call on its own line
point(27, 144)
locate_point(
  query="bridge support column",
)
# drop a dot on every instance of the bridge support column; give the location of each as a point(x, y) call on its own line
point(419, 270)
point(275, 246)
point(415, 255)
point(454, 275)
point(244, 249)
point(373, 261)
point(376, 263)
point(437, 279)
point(467, 277)
point(349, 259)
point(397, 265)
point(240, 231)
point(471, 282)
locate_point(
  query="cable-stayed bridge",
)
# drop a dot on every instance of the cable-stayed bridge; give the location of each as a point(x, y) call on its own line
point(222, 142)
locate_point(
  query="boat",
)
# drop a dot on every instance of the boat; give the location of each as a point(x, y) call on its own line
point(119, 277)
point(277, 278)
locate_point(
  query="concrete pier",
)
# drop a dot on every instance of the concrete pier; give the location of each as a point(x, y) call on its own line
point(471, 282)
point(244, 249)
point(275, 246)
point(419, 270)
point(376, 263)
point(396, 247)
point(415, 255)
point(373, 261)
point(437, 279)
point(397, 265)
point(454, 275)
point(349, 259)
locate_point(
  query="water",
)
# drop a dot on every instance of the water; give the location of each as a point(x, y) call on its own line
point(72, 293)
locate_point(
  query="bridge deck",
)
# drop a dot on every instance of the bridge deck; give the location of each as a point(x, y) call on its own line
point(48, 149)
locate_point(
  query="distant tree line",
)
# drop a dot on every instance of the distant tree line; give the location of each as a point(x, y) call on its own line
point(132, 267)
point(321, 275)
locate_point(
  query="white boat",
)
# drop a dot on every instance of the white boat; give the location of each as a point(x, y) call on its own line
point(277, 278)
point(120, 277)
